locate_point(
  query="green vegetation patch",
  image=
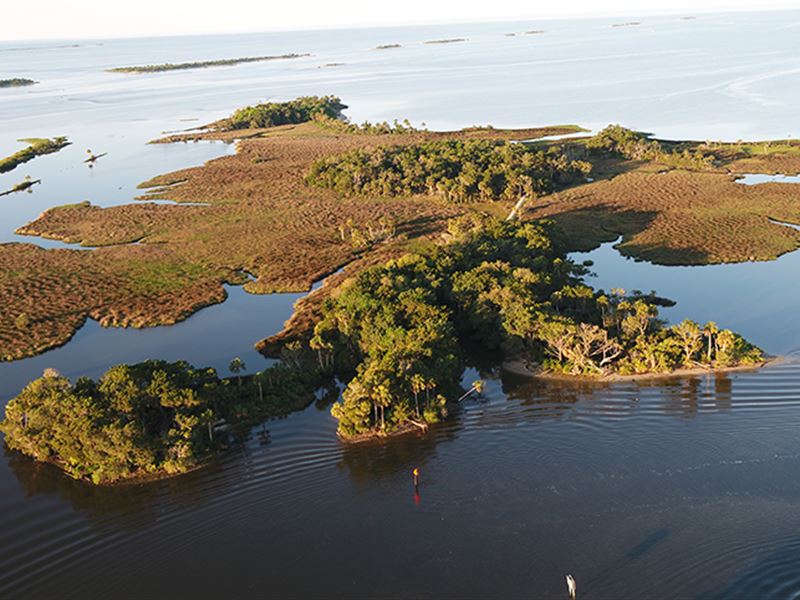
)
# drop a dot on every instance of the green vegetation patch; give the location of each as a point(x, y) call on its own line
point(272, 114)
point(16, 82)
point(144, 420)
point(458, 170)
point(203, 64)
point(37, 147)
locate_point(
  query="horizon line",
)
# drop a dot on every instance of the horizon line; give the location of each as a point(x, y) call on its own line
point(423, 23)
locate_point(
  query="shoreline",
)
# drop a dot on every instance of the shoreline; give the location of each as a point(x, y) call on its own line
point(518, 367)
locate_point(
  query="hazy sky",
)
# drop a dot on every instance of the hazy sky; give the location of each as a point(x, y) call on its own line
point(35, 19)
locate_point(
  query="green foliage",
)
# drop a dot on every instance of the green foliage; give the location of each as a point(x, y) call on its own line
point(366, 128)
point(459, 170)
point(635, 145)
point(400, 326)
point(37, 147)
point(271, 114)
point(145, 419)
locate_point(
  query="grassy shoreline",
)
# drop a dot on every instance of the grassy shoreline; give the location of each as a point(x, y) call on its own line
point(36, 147)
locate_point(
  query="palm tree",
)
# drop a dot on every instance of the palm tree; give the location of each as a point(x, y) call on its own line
point(711, 331)
point(237, 366)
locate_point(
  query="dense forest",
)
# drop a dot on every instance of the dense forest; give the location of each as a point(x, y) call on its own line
point(458, 170)
point(146, 419)
point(508, 286)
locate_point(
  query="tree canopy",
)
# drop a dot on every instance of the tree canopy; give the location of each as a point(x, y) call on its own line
point(299, 110)
point(459, 170)
point(401, 327)
point(144, 419)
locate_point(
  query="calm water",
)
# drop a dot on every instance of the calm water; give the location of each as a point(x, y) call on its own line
point(677, 488)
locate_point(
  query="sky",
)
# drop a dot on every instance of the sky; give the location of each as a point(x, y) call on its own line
point(74, 19)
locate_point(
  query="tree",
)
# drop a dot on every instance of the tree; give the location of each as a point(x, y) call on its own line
point(691, 338)
point(710, 330)
point(236, 366)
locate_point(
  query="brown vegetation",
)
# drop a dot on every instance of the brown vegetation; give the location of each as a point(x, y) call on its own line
point(677, 217)
point(156, 264)
point(260, 217)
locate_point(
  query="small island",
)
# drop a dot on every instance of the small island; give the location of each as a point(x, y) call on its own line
point(145, 421)
point(16, 82)
point(446, 41)
point(202, 64)
point(36, 147)
point(387, 46)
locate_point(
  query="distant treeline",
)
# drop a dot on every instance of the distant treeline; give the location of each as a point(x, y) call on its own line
point(202, 64)
point(459, 170)
point(37, 147)
point(16, 82)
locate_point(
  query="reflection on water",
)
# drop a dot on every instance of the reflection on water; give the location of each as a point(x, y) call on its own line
point(685, 481)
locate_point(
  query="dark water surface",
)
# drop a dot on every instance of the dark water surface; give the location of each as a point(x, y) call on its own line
point(675, 488)
point(688, 483)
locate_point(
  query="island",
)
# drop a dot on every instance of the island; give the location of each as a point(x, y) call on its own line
point(395, 333)
point(450, 238)
point(203, 64)
point(16, 82)
point(446, 41)
point(387, 46)
point(36, 147)
point(144, 421)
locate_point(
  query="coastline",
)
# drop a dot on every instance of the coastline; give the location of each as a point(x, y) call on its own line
point(518, 367)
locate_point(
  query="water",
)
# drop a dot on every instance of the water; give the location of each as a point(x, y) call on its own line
point(682, 487)
point(759, 178)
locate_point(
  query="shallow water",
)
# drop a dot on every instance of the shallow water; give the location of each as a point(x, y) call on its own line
point(758, 178)
point(688, 484)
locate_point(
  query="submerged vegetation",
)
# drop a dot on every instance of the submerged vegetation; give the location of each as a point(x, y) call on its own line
point(145, 420)
point(202, 64)
point(36, 147)
point(460, 171)
point(509, 287)
point(16, 82)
